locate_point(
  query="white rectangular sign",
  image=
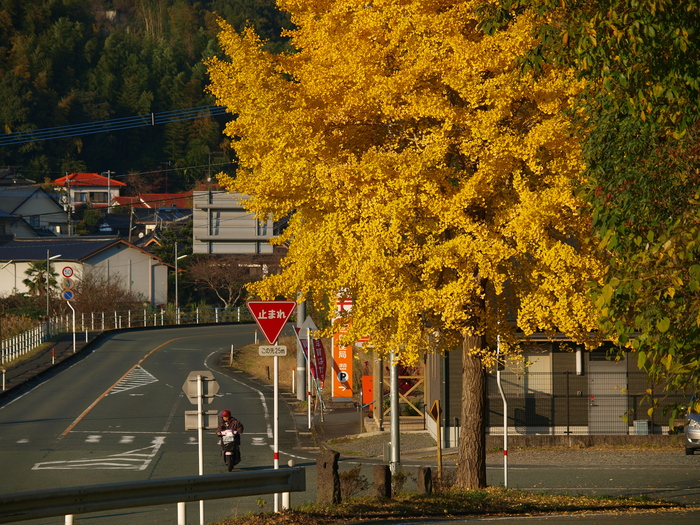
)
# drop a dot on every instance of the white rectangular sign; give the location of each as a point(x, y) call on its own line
point(210, 420)
point(271, 351)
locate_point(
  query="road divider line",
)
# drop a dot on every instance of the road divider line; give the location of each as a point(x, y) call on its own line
point(106, 392)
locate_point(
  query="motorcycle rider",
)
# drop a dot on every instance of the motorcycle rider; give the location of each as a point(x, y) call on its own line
point(228, 422)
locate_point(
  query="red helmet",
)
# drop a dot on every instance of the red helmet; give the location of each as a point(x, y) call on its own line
point(225, 413)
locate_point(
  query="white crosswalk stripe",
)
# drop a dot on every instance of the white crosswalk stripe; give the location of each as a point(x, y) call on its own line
point(138, 459)
point(137, 378)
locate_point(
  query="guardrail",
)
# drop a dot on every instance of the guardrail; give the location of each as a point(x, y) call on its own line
point(23, 506)
point(19, 345)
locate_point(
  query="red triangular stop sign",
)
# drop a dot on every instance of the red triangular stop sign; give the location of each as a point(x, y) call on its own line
point(271, 316)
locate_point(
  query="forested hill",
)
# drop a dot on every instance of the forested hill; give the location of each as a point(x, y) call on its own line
point(68, 62)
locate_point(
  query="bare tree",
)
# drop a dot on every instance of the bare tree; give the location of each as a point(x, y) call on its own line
point(138, 183)
point(96, 292)
point(227, 275)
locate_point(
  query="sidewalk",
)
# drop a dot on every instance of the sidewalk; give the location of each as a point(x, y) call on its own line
point(341, 430)
point(43, 363)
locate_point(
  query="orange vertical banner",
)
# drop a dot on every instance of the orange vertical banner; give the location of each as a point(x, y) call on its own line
point(342, 368)
point(342, 360)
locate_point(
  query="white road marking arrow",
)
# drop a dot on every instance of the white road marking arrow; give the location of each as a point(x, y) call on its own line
point(138, 459)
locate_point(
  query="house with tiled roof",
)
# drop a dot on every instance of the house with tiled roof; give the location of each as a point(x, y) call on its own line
point(139, 271)
point(156, 200)
point(13, 226)
point(153, 211)
point(10, 177)
point(90, 189)
point(36, 207)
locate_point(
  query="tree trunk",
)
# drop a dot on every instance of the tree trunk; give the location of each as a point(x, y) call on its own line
point(471, 470)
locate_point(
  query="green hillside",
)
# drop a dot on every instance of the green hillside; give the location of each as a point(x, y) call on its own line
point(70, 62)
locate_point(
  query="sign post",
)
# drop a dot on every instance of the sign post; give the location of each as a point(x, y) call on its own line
point(200, 387)
point(315, 361)
point(271, 317)
point(68, 293)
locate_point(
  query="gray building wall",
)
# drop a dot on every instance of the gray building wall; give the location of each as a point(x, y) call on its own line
point(222, 226)
point(548, 396)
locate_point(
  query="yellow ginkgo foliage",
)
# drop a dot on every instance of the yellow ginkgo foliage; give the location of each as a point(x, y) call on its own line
point(429, 176)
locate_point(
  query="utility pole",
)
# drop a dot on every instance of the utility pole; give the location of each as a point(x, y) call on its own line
point(395, 459)
point(131, 220)
point(109, 189)
point(209, 202)
point(70, 205)
point(46, 286)
point(301, 359)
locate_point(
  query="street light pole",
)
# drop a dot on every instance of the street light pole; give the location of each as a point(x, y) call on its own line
point(49, 258)
point(46, 286)
point(176, 297)
point(177, 276)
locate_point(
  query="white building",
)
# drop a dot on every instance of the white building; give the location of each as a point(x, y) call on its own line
point(36, 206)
point(89, 189)
point(139, 271)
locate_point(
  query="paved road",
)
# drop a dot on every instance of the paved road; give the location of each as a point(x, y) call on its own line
point(118, 415)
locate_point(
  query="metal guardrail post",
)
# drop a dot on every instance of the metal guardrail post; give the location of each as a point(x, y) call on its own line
point(80, 500)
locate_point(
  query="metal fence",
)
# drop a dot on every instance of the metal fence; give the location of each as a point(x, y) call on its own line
point(79, 500)
point(19, 345)
point(568, 404)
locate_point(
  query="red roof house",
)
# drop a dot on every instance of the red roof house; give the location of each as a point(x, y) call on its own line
point(90, 188)
point(156, 200)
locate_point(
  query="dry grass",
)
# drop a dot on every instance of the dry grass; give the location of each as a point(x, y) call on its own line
point(31, 354)
point(452, 502)
point(12, 325)
point(248, 360)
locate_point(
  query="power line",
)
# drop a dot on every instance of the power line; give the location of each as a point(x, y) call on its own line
point(103, 126)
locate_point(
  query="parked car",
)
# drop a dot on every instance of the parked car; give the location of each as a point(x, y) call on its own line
point(692, 433)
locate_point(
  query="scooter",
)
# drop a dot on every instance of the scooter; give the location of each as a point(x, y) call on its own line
point(230, 448)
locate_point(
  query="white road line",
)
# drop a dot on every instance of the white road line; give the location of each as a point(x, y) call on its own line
point(93, 438)
point(137, 459)
point(138, 377)
point(260, 394)
point(126, 440)
point(169, 421)
point(120, 432)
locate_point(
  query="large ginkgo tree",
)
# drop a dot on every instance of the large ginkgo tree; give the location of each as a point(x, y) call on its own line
point(428, 174)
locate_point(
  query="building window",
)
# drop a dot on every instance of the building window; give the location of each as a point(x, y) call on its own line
point(98, 196)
